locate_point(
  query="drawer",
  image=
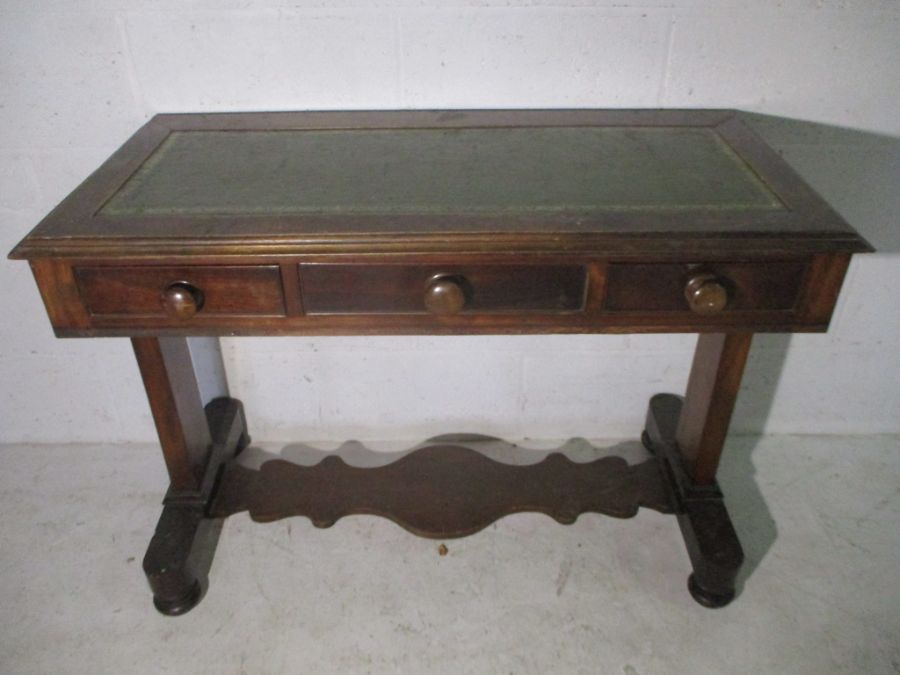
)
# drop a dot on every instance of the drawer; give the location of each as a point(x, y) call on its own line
point(182, 292)
point(715, 288)
point(441, 289)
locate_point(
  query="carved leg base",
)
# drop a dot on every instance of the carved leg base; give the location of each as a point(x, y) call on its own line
point(181, 550)
point(171, 560)
point(711, 541)
point(708, 598)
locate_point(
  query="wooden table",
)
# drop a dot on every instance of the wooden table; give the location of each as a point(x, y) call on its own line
point(475, 222)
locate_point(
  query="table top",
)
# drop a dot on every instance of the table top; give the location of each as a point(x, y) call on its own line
point(377, 172)
point(459, 180)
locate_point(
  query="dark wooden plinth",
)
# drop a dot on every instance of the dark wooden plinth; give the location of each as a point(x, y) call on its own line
point(442, 491)
point(712, 543)
point(179, 554)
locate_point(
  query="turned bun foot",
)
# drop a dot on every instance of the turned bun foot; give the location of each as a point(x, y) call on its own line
point(179, 605)
point(711, 599)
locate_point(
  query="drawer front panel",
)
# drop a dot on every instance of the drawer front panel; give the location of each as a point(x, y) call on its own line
point(403, 289)
point(660, 287)
point(225, 290)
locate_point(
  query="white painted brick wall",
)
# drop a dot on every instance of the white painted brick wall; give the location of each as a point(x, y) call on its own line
point(77, 78)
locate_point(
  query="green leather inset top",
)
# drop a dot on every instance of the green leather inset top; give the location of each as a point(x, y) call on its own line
point(503, 171)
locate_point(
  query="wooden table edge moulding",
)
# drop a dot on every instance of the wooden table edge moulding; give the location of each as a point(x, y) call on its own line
point(440, 222)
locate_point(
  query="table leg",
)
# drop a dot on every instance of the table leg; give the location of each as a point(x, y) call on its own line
point(689, 436)
point(195, 440)
point(709, 401)
point(177, 407)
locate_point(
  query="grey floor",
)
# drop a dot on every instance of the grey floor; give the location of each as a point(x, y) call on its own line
point(818, 517)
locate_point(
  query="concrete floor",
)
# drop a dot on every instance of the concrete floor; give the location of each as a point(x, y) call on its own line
point(818, 517)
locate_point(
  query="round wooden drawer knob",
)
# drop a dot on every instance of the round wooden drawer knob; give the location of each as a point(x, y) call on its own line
point(444, 295)
point(182, 300)
point(706, 294)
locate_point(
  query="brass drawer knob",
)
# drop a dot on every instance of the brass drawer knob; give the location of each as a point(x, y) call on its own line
point(444, 294)
point(182, 300)
point(706, 294)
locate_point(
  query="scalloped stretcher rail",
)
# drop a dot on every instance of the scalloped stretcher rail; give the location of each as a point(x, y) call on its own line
point(442, 491)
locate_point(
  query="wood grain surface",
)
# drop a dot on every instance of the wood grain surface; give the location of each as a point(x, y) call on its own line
point(441, 491)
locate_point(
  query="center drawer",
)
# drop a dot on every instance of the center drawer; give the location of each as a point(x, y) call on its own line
point(441, 289)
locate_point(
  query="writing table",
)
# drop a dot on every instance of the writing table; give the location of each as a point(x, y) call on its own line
point(454, 222)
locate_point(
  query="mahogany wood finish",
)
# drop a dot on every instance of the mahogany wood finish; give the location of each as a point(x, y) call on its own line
point(415, 289)
point(711, 394)
point(56, 283)
point(748, 287)
point(181, 292)
point(675, 246)
point(712, 544)
point(182, 548)
point(171, 384)
point(322, 296)
point(823, 283)
point(447, 491)
point(77, 229)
